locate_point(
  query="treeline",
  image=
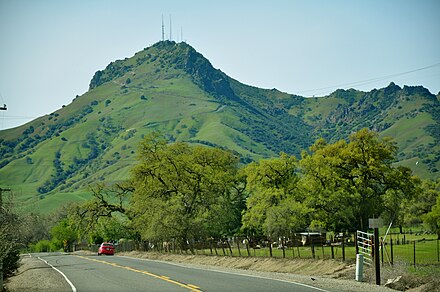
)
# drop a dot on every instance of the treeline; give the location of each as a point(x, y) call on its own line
point(182, 193)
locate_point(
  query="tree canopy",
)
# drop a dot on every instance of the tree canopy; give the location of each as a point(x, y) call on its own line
point(185, 192)
point(350, 182)
point(275, 205)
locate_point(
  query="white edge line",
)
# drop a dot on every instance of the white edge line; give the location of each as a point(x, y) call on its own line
point(225, 272)
point(62, 274)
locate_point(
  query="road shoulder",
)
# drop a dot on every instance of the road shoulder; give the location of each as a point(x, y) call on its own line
point(34, 275)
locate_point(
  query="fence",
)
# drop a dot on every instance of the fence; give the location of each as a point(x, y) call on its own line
point(415, 252)
point(310, 247)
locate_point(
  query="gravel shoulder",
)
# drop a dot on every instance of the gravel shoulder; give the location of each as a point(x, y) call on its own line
point(35, 275)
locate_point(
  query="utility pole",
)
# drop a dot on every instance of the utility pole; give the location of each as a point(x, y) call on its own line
point(3, 108)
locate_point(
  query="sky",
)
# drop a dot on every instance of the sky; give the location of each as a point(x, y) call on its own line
point(50, 49)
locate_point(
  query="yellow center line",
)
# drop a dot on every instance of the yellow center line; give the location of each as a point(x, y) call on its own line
point(164, 278)
point(193, 286)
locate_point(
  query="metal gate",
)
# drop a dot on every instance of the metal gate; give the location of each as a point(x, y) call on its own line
point(364, 244)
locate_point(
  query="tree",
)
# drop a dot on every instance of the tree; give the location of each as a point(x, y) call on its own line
point(106, 216)
point(9, 238)
point(422, 203)
point(34, 227)
point(352, 182)
point(274, 206)
point(326, 194)
point(63, 234)
point(432, 218)
point(184, 193)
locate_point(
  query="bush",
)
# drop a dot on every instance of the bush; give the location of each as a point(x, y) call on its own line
point(45, 246)
point(11, 260)
point(9, 239)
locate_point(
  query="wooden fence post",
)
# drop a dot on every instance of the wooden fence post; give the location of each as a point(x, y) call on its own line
point(237, 241)
point(381, 251)
point(215, 248)
point(229, 246)
point(414, 249)
point(343, 249)
point(247, 247)
point(392, 254)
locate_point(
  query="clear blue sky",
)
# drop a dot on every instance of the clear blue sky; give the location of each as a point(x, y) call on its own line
point(50, 49)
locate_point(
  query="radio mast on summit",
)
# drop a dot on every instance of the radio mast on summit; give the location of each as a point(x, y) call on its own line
point(163, 30)
point(171, 30)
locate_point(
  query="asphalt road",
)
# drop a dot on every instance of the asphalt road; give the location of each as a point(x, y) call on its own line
point(116, 273)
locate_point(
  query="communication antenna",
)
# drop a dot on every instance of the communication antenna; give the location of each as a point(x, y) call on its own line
point(171, 30)
point(163, 30)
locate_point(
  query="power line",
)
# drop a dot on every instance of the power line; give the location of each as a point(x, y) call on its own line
point(371, 80)
point(20, 117)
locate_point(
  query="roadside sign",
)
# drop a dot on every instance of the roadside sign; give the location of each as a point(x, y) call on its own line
point(375, 223)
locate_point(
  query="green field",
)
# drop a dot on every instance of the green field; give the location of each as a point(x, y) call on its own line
point(426, 253)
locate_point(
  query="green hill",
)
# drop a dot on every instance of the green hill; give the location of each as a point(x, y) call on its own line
point(171, 88)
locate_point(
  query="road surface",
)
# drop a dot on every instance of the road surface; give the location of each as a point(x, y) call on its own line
point(117, 273)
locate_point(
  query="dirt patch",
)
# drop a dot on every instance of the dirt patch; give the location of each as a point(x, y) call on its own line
point(293, 266)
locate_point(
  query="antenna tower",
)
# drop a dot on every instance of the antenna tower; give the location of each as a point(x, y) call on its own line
point(171, 30)
point(163, 30)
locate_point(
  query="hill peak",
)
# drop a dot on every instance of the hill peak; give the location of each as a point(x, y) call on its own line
point(169, 54)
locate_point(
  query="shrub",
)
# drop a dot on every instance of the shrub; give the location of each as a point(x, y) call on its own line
point(45, 246)
point(9, 240)
point(11, 260)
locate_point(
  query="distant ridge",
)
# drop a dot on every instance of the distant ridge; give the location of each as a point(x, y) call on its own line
point(171, 88)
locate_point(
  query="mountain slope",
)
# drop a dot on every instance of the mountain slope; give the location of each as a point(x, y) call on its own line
point(171, 88)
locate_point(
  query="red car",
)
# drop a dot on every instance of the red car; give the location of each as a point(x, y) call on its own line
point(106, 248)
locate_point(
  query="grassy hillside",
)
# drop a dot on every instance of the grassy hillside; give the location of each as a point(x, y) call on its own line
point(173, 89)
